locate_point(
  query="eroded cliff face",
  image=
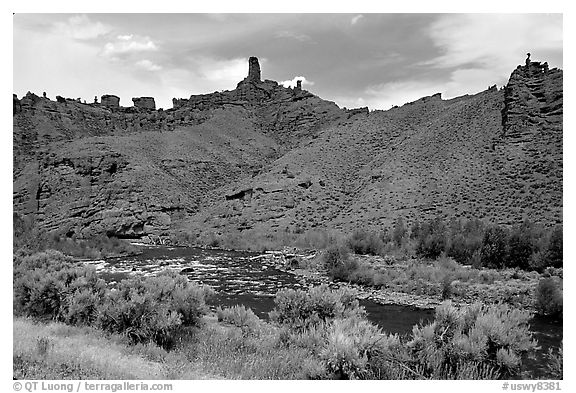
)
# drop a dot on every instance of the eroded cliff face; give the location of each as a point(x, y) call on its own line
point(87, 169)
point(270, 159)
point(495, 155)
point(529, 150)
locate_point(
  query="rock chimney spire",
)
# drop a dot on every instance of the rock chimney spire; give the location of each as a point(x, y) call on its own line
point(253, 70)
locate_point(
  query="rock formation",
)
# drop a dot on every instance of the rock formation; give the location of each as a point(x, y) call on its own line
point(110, 101)
point(254, 70)
point(266, 158)
point(83, 169)
point(458, 158)
point(144, 103)
point(16, 107)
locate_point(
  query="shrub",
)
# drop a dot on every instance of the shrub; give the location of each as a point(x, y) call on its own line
point(446, 288)
point(522, 243)
point(475, 342)
point(431, 239)
point(549, 297)
point(399, 232)
point(239, 316)
point(43, 345)
point(46, 284)
point(337, 261)
point(464, 239)
point(350, 343)
point(554, 253)
point(153, 308)
point(82, 307)
point(365, 243)
point(26, 235)
point(462, 247)
point(365, 275)
point(49, 261)
point(494, 247)
point(555, 363)
point(300, 309)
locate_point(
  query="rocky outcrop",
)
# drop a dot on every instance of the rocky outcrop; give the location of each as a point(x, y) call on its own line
point(298, 87)
point(144, 103)
point(87, 169)
point(253, 70)
point(16, 107)
point(529, 148)
point(429, 158)
point(288, 115)
point(533, 102)
point(266, 158)
point(110, 101)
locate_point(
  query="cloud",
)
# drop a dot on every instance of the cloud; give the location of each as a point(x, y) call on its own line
point(229, 71)
point(477, 50)
point(125, 45)
point(292, 35)
point(292, 82)
point(386, 95)
point(494, 40)
point(148, 65)
point(356, 19)
point(80, 27)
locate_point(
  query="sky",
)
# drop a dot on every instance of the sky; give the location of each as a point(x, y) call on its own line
point(355, 59)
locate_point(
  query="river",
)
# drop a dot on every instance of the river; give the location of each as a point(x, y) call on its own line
point(238, 279)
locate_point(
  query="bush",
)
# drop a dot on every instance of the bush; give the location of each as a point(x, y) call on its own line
point(431, 239)
point(153, 308)
point(399, 232)
point(478, 342)
point(43, 345)
point(446, 288)
point(365, 243)
point(465, 240)
point(555, 363)
point(300, 309)
point(26, 235)
point(82, 307)
point(239, 316)
point(522, 244)
point(337, 261)
point(349, 345)
point(549, 299)
point(554, 254)
point(47, 284)
point(494, 247)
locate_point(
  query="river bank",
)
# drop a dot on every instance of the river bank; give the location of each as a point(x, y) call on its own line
point(253, 280)
point(417, 283)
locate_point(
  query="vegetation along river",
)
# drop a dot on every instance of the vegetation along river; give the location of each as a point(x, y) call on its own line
point(238, 279)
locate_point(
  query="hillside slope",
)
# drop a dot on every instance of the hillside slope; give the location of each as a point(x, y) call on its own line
point(496, 155)
point(85, 169)
point(271, 159)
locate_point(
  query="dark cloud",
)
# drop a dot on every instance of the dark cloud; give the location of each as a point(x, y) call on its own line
point(350, 58)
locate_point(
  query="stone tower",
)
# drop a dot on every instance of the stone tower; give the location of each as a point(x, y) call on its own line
point(253, 70)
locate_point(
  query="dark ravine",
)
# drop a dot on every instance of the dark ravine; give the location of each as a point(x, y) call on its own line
point(270, 159)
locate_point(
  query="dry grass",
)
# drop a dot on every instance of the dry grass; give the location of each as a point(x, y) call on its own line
point(230, 352)
point(59, 351)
